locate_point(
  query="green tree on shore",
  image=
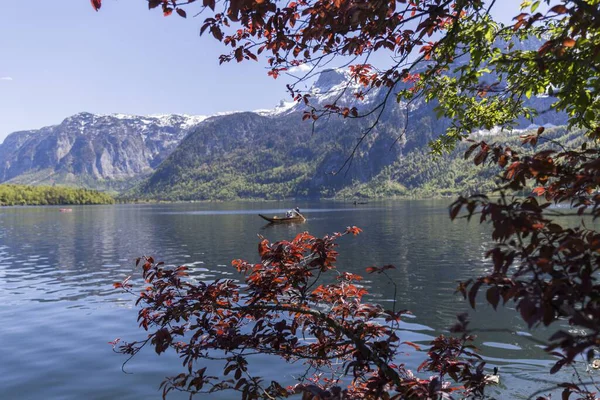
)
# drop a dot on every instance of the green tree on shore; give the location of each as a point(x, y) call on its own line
point(21, 195)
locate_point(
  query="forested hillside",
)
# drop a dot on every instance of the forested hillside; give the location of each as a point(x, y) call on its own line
point(295, 163)
point(247, 155)
point(419, 174)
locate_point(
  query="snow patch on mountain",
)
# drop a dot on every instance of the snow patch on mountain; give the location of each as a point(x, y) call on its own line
point(334, 85)
point(282, 108)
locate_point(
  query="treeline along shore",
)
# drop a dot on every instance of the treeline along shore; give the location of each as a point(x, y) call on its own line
point(21, 195)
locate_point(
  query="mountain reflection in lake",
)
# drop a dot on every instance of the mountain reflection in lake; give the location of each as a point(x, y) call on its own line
point(59, 310)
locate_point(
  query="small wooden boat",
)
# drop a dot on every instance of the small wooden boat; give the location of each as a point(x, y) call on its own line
point(283, 220)
point(66, 210)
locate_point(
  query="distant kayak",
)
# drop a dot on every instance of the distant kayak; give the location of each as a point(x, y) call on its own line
point(282, 220)
point(66, 210)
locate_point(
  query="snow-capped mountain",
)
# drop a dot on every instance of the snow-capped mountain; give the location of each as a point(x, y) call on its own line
point(92, 149)
point(333, 85)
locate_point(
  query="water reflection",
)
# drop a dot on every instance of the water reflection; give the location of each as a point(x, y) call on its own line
point(60, 310)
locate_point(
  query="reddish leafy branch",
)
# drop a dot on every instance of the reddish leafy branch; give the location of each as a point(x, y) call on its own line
point(314, 33)
point(283, 309)
point(549, 270)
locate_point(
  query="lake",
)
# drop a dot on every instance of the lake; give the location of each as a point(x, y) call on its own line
point(59, 309)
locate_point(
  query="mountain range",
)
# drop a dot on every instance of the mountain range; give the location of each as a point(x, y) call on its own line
point(263, 154)
point(95, 151)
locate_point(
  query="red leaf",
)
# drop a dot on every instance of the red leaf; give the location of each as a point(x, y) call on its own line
point(217, 33)
point(353, 230)
point(545, 48)
point(559, 9)
point(422, 365)
point(521, 16)
point(539, 191)
point(473, 293)
point(568, 42)
point(502, 161)
point(239, 54)
point(480, 158)
point(455, 209)
point(493, 296)
point(470, 150)
point(416, 346)
point(263, 247)
point(556, 367)
point(251, 55)
point(96, 4)
point(154, 3)
point(209, 3)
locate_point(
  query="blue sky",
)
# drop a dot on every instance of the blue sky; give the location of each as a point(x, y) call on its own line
point(58, 58)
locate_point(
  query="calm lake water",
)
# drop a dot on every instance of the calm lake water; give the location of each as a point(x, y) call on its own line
point(59, 310)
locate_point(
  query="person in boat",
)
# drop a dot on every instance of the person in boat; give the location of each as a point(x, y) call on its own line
point(293, 213)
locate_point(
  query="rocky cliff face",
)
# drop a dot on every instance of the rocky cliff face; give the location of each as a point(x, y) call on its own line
point(92, 149)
